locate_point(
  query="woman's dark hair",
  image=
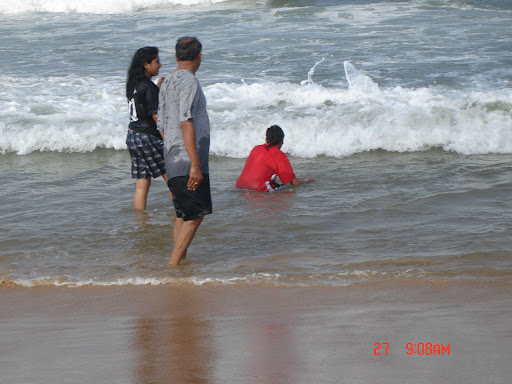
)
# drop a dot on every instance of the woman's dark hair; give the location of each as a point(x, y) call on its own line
point(188, 48)
point(274, 136)
point(137, 70)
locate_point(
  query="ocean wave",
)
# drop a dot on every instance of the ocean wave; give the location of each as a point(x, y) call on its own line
point(359, 12)
point(68, 114)
point(255, 278)
point(94, 6)
point(341, 278)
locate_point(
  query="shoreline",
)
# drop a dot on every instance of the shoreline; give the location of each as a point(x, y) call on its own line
point(256, 334)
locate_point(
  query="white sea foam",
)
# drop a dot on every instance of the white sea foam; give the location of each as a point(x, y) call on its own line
point(253, 278)
point(339, 122)
point(71, 114)
point(305, 279)
point(65, 114)
point(92, 6)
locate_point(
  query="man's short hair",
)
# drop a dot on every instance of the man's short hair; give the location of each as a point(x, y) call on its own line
point(274, 135)
point(188, 48)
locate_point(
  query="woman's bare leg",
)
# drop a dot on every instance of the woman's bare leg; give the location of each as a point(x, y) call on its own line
point(141, 193)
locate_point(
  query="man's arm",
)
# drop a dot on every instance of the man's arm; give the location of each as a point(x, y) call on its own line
point(285, 172)
point(189, 139)
point(296, 181)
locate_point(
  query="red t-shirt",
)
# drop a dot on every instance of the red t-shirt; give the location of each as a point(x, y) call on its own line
point(261, 167)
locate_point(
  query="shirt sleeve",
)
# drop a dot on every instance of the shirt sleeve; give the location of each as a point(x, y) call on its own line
point(151, 99)
point(161, 102)
point(284, 169)
point(188, 89)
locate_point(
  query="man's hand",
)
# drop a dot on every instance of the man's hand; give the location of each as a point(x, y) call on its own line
point(195, 178)
point(189, 139)
point(296, 181)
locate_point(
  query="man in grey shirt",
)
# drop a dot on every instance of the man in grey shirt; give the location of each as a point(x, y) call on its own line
point(183, 118)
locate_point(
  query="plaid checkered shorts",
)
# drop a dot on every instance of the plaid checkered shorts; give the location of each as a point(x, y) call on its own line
point(147, 155)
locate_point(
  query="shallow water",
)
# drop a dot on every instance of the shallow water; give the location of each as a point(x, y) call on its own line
point(429, 215)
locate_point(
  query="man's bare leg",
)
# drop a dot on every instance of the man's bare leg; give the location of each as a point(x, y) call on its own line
point(183, 234)
point(177, 227)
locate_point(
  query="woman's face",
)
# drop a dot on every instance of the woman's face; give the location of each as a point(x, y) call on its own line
point(153, 67)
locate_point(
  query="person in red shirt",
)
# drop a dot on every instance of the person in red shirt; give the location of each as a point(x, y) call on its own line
point(266, 163)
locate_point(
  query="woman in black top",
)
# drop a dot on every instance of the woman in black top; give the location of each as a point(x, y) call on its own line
point(144, 141)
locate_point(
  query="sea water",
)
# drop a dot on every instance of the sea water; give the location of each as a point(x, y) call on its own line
point(400, 110)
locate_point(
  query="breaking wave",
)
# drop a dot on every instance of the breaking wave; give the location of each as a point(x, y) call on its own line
point(69, 114)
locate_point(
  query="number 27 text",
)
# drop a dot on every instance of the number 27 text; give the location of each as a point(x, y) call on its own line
point(380, 348)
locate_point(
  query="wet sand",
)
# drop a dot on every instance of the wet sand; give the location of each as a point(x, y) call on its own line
point(243, 334)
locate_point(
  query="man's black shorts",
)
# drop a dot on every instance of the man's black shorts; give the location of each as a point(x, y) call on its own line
point(190, 205)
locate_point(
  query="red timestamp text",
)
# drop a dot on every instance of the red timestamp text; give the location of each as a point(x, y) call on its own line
point(420, 349)
point(427, 349)
point(380, 349)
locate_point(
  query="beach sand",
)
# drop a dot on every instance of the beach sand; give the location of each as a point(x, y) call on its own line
point(256, 334)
